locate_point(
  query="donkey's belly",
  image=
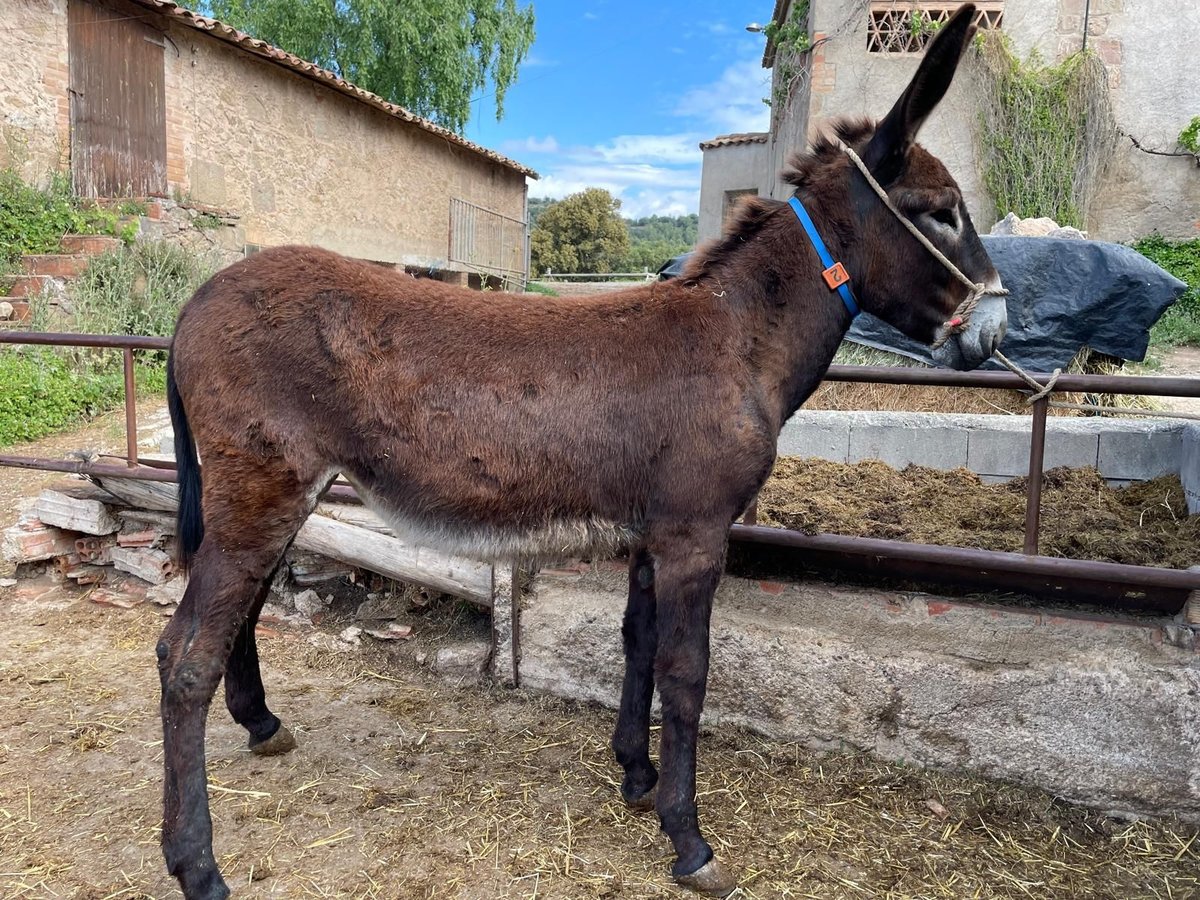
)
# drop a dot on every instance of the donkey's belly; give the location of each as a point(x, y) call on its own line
point(548, 540)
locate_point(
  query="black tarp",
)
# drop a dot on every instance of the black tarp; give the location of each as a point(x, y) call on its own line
point(1064, 295)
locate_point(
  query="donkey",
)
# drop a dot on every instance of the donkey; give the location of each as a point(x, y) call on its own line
point(503, 427)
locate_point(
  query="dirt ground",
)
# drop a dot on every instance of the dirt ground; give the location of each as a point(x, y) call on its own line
point(405, 787)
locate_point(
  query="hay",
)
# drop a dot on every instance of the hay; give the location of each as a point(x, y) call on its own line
point(1082, 518)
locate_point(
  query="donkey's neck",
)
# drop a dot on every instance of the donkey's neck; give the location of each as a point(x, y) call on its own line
point(793, 321)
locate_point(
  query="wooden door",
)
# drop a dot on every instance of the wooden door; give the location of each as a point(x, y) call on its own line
point(118, 108)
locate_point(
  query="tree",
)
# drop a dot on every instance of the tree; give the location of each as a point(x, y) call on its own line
point(428, 56)
point(581, 233)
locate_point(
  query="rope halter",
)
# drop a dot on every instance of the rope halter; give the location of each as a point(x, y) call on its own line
point(961, 319)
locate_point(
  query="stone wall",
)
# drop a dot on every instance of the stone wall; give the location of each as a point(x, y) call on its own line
point(34, 106)
point(1147, 47)
point(302, 163)
point(293, 160)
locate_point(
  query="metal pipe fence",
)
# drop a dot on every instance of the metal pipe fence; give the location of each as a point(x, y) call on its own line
point(1124, 585)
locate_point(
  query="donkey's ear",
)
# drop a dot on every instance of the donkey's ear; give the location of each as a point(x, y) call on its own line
point(885, 153)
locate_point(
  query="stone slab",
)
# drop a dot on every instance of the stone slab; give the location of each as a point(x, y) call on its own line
point(1100, 711)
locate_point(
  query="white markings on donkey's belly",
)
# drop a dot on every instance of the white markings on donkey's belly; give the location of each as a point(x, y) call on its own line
point(557, 539)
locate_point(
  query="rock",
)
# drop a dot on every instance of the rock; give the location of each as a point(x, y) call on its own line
point(169, 593)
point(392, 631)
point(310, 605)
point(381, 607)
point(1068, 233)
point(1040, 227)
point(6, 310)
point(465, 661)
point(1006, 225)
point(8, 582)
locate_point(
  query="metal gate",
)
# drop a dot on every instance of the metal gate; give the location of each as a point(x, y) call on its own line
point(488, 242)
point(118, 106)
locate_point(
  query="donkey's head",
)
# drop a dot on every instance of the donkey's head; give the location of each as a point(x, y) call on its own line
point(895, 277)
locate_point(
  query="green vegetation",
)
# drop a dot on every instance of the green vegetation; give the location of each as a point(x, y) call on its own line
point(1189, 138)
point(136, 290)
point(580, 233)
point(1181, 323)
point(1046, 132)
point(430, 56)
point(652, 240)
point(34, 220)
point(42, 391)
point(792, 41)
point(535, 287)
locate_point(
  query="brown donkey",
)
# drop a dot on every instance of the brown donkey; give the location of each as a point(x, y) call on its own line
point(512, 427)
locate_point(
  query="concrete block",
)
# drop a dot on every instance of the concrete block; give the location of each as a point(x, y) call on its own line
point(1100, 711)
point(1189, 467)
point(1005, 451)
point(898, 442)
point(823, 435)
point(1144, 454)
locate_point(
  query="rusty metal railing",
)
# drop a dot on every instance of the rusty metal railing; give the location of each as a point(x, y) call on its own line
point(1123, 585)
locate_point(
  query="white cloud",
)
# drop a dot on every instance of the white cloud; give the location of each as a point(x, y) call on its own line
point(661, 148)
point(659, 174)
point(530, 144)
point(732, 103)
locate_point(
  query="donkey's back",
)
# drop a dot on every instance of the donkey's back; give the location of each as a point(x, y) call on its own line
point(490, 422)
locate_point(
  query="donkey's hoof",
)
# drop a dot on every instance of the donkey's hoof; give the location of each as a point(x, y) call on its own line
point(643, 802)
point(712, 879)
point(278, 743)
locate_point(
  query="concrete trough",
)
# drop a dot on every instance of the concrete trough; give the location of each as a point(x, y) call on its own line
point(997, 447)
point(1102, 711)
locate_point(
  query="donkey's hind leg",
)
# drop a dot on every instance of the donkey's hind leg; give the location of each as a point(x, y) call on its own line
point(244, 694)
point(631, 739)
point(247, 529)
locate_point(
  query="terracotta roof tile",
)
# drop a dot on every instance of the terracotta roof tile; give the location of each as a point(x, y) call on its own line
point(728, 140)
point(267, 51)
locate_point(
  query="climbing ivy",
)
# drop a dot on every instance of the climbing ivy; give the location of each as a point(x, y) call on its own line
point(791, 41)
point(1046, 132)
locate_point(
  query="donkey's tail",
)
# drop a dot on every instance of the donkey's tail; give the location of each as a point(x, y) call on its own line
point(190, 518)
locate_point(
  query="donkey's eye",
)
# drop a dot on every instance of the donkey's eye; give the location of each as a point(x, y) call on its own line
point(945, 217)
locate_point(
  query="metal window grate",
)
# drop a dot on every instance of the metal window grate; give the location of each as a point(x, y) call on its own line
point(896, 26)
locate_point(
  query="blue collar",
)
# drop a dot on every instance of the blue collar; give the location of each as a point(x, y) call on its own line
point(835, 273)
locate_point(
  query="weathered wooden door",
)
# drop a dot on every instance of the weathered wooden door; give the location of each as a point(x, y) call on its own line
point(118, 109)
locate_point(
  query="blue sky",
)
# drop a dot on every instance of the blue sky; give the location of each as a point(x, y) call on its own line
point(618, 94)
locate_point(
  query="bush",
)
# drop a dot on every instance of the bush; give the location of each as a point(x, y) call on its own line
point(137, 290)
point(1181, 323)
point(41, 392)
point(33, 220)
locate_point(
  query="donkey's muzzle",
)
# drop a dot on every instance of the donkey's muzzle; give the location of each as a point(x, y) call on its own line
point(973, 346)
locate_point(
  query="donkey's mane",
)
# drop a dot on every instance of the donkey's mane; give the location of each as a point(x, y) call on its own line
point(808, 171)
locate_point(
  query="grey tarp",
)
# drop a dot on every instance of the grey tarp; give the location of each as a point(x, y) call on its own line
point(1065, 295)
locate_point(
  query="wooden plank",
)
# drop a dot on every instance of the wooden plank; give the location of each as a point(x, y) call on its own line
point(355, 544)
point(88, 516)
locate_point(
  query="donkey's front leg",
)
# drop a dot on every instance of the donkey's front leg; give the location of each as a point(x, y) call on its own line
point(688, 566)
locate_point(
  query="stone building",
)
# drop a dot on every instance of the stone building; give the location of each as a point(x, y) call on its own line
point(144, 98)
point(864, 52)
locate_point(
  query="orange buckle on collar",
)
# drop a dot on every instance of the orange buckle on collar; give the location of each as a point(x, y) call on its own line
point(835, 276)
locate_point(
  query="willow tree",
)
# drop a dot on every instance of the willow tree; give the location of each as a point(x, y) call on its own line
point(429, 56)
